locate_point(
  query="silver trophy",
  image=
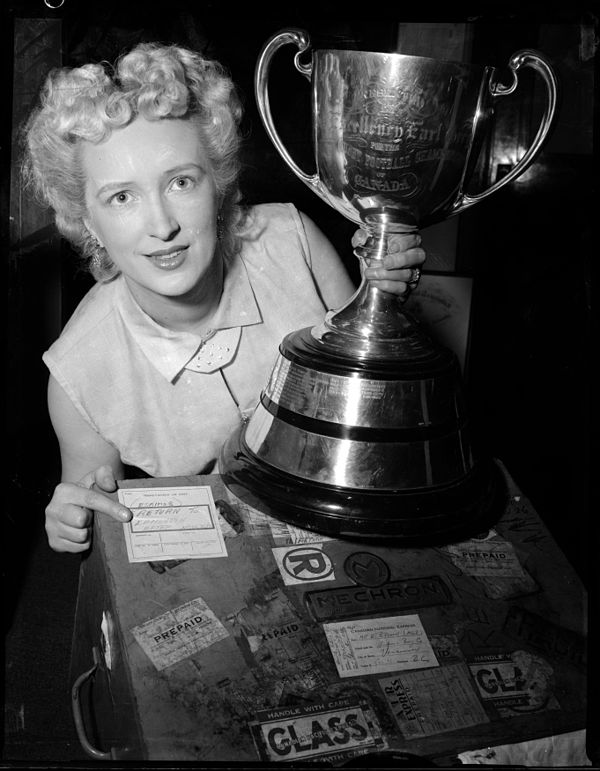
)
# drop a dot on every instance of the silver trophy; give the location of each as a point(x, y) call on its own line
point(362, 429)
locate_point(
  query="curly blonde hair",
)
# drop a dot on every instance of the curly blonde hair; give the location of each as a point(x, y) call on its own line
point(88, 103)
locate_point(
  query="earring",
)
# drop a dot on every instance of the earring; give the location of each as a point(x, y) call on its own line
point(220, 226)
point(97, 258)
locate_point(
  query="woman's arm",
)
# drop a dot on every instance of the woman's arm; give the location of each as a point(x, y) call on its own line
point(81, 448)
point(90, 468)
point(333, 280)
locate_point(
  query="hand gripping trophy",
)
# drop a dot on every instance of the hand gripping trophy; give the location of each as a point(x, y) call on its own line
point(362, 429)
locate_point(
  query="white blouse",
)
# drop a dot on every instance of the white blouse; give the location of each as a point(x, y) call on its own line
point(168, 400)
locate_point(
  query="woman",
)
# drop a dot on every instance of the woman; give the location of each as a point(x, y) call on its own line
point(170, 349)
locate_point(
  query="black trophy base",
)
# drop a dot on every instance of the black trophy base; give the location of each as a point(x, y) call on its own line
point(422, 517)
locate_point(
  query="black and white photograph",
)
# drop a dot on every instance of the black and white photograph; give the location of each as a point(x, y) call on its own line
point(299, 403)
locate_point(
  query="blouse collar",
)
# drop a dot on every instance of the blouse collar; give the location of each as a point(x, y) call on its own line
point(171, 350)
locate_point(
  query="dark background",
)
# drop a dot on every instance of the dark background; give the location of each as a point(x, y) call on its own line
point(529, 248)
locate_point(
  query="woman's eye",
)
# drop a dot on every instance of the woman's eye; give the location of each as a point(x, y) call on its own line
point(182, 183)
point(120, 199)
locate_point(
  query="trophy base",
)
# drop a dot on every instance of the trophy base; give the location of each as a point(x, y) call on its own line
point(425, 517)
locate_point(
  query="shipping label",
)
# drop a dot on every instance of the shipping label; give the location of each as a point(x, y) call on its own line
point(554, 641)
point(171, 523)
point(179, 633)
point(370, 646)
point(285, 534)
point(514, 683)
point(494, 563)
point(492, 558)
point(334, 730)
point(433, 701)
point(303, 564)
point(349, 601)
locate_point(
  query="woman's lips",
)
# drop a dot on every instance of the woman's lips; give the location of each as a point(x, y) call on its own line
point(170, 260)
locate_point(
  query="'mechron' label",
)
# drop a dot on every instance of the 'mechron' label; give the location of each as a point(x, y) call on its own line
point(350, 601)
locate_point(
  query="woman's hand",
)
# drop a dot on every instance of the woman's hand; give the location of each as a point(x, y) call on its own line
point(400, 270)
point(69, 515)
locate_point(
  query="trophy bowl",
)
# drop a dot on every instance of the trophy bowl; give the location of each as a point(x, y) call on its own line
point(362, 430)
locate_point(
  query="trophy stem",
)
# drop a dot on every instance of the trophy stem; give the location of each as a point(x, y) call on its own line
point(372, 323)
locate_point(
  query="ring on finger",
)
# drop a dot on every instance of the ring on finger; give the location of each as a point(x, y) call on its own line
point(415, 275)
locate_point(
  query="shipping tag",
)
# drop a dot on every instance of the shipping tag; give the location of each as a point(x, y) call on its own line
point(171, 523)
point(494, 563)
point(369, 646)
point(433, 701)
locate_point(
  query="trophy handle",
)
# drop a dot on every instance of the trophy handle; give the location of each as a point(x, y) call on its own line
point(301, 39)
point(524, 58)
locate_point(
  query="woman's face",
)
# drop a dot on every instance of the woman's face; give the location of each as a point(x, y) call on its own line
point(151, 202)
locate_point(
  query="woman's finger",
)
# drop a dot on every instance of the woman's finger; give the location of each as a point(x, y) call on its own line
point(78, 535)
point(397, 242)
point(401, 242)
point(67, 495)
point(399, 288)
point(74, 517)
point(359, 237)
point(409, 258)
point(404, 275)
point(64, 545)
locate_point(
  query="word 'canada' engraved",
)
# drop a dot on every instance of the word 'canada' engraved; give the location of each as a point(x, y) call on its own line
point(407, 184)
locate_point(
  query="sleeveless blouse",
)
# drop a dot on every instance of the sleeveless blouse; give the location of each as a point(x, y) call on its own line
point(167, 400)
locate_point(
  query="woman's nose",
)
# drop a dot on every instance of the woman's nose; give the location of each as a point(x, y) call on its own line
point(162, 221)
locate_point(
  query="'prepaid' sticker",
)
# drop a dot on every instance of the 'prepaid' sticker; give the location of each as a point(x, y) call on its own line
point(179, 633)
